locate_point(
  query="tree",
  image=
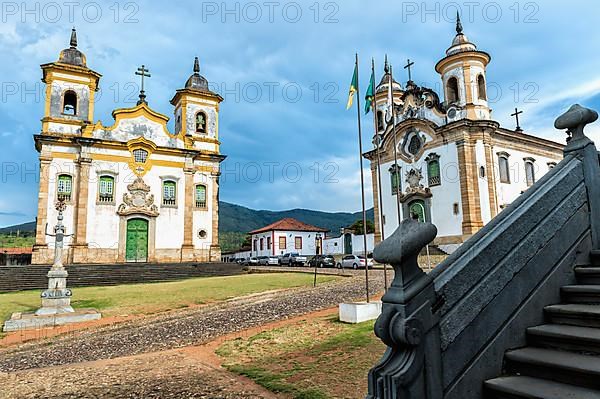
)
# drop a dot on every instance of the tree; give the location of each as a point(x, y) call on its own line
point(358, 227)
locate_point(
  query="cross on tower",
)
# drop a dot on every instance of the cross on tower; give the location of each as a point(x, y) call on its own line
point(142, 71)
point(408, 65)
point(516, 115)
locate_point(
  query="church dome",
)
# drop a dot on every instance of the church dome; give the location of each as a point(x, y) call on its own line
point(71, 55)
point(386, 79)
point(197, 81)
point(461, 42)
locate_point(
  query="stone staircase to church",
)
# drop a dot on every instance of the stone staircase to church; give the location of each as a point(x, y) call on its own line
point(33, 277)
point(562, 359)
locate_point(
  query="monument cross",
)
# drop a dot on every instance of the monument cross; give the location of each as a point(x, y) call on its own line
point(516, 115)
point(143, 72)
point(408, 65)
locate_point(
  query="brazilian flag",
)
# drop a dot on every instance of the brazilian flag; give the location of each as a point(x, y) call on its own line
point(370, 96)
point(353, 87)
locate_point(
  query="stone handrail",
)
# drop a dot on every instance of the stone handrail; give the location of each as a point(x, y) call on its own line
point(446, 332)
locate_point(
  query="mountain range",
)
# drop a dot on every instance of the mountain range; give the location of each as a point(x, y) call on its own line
point(239, 219)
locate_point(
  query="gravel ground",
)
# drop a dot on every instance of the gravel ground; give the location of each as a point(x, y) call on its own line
point(186, 327)
point(171, 374)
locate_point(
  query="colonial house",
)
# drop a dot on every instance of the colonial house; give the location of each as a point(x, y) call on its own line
point(347, 243)
point(449, 162)
point(135, 191)
point(287, 235)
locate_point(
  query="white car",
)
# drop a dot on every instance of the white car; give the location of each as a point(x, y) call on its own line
point(273, 260)
point(354, 262)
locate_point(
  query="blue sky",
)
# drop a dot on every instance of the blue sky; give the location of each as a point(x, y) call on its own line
point(284, 70)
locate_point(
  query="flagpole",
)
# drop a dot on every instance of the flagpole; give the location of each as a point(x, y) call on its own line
point(362, 182)
point(378, 144)
point(395, 146)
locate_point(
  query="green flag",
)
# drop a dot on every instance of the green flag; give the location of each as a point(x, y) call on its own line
point(370, 96)
point(353, 86)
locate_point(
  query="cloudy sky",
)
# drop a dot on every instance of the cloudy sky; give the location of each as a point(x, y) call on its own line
point(284, 70)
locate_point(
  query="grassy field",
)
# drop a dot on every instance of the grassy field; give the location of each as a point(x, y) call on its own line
point(309, 359)
point(159, 297)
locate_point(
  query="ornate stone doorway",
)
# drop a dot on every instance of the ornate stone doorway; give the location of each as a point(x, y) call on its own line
point(136, 249)
point(416, 210)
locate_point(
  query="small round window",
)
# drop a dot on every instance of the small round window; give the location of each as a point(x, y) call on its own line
point(202, 234)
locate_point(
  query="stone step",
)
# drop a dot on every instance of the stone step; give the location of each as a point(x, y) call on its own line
point(588, 275)
point(570, 338)
point(595, 257)
point(583, 315)
point(581, 293)
point(513, 387)
point(555, 365)
point(34, 277)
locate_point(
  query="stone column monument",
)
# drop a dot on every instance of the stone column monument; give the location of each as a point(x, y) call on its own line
point(56, 300)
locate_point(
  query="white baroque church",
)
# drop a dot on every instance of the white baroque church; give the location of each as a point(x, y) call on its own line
point(134, 191)
point(449, 162)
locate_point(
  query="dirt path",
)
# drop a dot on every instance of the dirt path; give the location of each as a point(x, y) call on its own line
point(190, 372)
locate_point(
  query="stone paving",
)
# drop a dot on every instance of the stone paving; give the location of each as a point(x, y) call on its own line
point(186, 327)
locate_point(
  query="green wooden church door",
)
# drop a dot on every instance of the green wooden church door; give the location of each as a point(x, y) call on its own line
point(417, 210)
point(137, 241)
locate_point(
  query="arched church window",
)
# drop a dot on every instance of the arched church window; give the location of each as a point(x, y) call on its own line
point(504, 168)
point(529, 171)
point(481, 88)
point(64, 188)
point(140, 156)
point(106, 189)
point(414, 145)
point(452, 90)
point(395, 179)
point(169, 193)
point(201, 122)
point(200, 196)
point(482, 172)
point(433, 170)
point(379, 121)
point(70, 103)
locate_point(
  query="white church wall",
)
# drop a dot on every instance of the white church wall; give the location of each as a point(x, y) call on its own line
point(482, 182)
point(202, 218)
point(507, 193)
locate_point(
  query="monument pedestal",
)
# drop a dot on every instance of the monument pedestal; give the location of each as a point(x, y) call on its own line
point(56, 307)
point(31, 321)
point(358, 312)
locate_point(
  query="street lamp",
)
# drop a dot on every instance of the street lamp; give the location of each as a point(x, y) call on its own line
point(317, 253)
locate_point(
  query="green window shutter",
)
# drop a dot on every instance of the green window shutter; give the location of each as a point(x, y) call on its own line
point(200, 196)
point(169, 192)
point(433, 173)
point(107, 184)
point(65, 184)
point(396, 184)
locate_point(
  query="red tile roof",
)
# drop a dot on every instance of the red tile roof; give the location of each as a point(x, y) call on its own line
point(289, 224)
point(16, 251)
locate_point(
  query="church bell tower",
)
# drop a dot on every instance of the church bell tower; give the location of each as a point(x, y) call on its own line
point(463, 76)
point(70, 91)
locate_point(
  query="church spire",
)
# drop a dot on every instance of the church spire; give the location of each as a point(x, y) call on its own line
point(386, 66)
point(73, 42)
point(459, 27)
point(196, 65)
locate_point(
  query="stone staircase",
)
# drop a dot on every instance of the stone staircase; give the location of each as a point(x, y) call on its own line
point(33, 277)
point(562, 360)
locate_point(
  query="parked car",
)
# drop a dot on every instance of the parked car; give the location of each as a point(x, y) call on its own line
point(354, 262)
point(263, 260)
point(292, 259)
point(273, 260)
point(253, 261)
point(322, 261)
